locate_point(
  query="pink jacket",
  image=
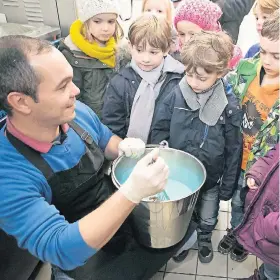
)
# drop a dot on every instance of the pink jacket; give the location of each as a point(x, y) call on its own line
point(259, 230)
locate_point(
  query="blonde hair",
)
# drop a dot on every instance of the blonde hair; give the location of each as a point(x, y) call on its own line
point(152, 30)
point(270, 28)
point(169, 9)
point(118, 34)
point(209, 50)
point(266, 6)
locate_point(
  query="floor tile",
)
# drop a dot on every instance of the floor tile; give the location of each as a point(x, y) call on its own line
point(188, 266)
point(229, 218)
point(45, 272)
point(218, 266)
point(224, 205)
point(158, 276)
point(217, 236)
point(229, 206)
point(244, 269)
point(223, 221)
point(173, 276)
point(163, 268)
point(209, 278)
point(259, 262)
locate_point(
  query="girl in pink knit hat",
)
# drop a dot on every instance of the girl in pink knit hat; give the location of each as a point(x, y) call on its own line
point(192, 16)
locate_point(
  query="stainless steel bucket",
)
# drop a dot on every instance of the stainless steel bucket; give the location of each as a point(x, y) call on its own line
point(162, 224)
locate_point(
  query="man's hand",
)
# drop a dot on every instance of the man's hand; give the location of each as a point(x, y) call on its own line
point(148, 177)
point(132, 147)
point(251, 184)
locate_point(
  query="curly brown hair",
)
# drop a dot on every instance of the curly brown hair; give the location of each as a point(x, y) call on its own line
point(209, 50)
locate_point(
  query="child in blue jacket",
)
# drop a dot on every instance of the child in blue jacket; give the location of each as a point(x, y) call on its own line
point(200, 118)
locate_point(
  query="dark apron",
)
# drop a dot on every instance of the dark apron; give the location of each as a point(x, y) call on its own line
point(78, 191)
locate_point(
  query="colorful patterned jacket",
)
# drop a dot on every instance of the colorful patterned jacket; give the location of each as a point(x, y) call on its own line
point(238, 82)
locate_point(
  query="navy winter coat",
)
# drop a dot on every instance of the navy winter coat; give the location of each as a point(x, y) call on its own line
point(120, 94)
point(218, 147)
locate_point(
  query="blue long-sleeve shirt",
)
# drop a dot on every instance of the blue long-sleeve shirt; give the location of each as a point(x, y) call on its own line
point(25, 196)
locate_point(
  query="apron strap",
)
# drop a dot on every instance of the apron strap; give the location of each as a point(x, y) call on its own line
point(36, 158)
point(85, 136)
point(31, 155)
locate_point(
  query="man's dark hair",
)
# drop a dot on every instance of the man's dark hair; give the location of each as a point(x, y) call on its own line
point(16, 73)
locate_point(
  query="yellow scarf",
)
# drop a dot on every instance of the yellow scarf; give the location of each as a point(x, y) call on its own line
point(104, 54)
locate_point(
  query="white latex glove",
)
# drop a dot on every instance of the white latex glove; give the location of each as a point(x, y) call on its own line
point(251, 184)
point(132, 147)
point(146, 179)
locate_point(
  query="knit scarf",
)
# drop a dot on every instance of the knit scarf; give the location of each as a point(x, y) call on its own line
point(211, 103)
point(144, 102)
point(105, 54)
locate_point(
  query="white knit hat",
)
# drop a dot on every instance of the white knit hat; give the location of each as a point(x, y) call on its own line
point(87, 9)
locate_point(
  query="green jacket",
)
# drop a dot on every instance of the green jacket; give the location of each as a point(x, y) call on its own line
point(90, 75)
point(238, 81)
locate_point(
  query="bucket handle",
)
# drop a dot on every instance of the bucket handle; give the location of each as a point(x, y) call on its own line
point(162, 144)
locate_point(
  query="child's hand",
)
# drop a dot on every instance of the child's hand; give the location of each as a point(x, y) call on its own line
point(251, 184)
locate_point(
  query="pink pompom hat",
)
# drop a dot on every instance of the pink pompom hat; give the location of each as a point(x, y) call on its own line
point(203, 13)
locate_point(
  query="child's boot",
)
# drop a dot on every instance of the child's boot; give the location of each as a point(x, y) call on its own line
point(205, 248)
point(227, 243)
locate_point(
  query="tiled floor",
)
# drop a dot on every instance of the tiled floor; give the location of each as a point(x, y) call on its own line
point(221, 267)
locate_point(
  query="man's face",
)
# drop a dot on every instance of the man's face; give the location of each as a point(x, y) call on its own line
point(56, 93)
point(147, 58)
point(269, 54)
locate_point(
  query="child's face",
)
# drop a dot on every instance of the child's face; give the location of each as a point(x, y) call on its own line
point(176, 4)
point(201, 80)
point(156, 7)
point(269, 54)
point(103, 26)
point(147, 59)
point(186, 30)
point(260, 18)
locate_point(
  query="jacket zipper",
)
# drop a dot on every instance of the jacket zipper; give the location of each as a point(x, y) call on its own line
point(206, 130)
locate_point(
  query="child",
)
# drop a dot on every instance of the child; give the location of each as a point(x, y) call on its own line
point(192, 16)
point(263, 9)
point(176, 3)
point(90, 49)
point(135, 93)
point(198, 117)
point(163, 8)
point(259, 230)
point(256, 83)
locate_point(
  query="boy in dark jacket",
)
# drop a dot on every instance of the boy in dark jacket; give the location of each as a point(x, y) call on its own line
point(259, 230)
point(198, 117)
point(135, 93)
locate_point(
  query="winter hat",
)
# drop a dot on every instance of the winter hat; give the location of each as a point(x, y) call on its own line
point(203, 13)
point(87, 9)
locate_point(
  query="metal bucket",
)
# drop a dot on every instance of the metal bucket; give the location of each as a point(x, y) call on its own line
point(162, 224)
